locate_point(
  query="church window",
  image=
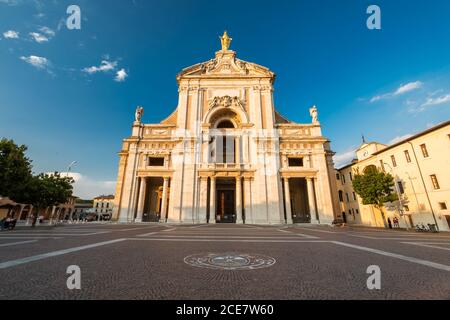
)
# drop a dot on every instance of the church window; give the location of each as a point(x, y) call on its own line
point(156, 162)
point(295, 162)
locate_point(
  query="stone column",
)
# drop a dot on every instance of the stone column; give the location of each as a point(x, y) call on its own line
point(318, 199)
point(20, 212)
point(203, 205)
point(238, 151)
point(287, 200)
point(311, 201)
point(247, 201)
point(163, 216)
point(30, 211)
point(212, 202)
point(142, 190)
point(239, 219)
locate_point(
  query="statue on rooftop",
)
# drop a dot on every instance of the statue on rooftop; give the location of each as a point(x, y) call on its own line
point(138, 114)
point(226, 41)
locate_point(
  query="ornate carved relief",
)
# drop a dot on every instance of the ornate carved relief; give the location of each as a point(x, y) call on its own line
point(226, 102)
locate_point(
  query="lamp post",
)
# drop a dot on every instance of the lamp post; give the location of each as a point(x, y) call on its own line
point(398, 195)
point(69, 167)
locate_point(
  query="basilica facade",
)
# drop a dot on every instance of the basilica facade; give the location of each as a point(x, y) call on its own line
point(225, 155)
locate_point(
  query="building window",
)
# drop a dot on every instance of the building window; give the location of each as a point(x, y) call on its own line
point(435, 182)
point(156, 162)
point(350, 175)
point(354, 196)
point(343, 179)
point(357, 211)
point(394, 163)
point(408, 158)
point(382, 165)
point(341, 196)
point(338, 177)
point(295, 162)
point(406, 207)
point(442, 206)
point(346, 195)
point(400, 187)
point(423, 147)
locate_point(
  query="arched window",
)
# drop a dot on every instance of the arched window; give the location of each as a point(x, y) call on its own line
point(370, 168)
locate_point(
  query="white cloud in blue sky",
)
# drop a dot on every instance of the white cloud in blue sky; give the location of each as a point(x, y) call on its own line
point(437, 101)
point(11, 34)
point(104, 66)
point(11, 2)
point(404, 88)
point(121, 75)
point(87, 188)
point(36, 61)
point(107, 66)
point(38, 37)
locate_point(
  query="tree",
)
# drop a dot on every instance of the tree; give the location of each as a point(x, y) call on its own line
point(47, 190)
point(15, 170)
point(375, 188)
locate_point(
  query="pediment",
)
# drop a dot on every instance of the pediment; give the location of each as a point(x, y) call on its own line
point(226, 64)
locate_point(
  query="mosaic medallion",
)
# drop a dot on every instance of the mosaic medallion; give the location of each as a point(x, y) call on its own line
point(230, 261)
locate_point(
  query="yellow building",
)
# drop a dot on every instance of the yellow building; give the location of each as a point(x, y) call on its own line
point(103, 205)
point(420, 166)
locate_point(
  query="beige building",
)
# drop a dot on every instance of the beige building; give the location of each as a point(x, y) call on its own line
point(226, 155)
point(421, 169)
point(103, 205)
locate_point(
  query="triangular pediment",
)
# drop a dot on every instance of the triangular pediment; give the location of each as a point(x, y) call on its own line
point(226, 64)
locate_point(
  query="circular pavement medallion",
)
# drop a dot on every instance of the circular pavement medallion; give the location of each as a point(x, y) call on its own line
point(230, 261)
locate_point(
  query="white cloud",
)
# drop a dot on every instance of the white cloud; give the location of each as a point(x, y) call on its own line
point(121, 75)
point(408, 87)
point(401, 90)
point(344, 158)
point(399, 138)
point(436, 101)
point(37, 62)
point(11, 34)
point(38, 37)
point(49, 32)
point(11, 2)
point(105, 66)
point(88, 188)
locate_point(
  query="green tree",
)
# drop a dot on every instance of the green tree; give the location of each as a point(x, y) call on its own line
point(47, 190)
point(375, 188)
point(15, 170)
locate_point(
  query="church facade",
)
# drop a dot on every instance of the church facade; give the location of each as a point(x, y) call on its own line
point(225, 155)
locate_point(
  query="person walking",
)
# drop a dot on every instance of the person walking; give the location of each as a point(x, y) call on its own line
point(390, 223)
point(396, 225)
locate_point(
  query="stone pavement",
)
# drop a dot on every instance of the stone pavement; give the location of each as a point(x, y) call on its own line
point(154, 261)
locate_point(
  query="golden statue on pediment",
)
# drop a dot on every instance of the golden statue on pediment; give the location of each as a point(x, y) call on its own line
point(226, 41)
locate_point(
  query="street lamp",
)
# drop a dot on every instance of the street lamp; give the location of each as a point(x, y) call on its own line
point(70, 167)
point(398, 195)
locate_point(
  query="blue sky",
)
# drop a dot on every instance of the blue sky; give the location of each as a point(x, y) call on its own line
point(60, 99)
